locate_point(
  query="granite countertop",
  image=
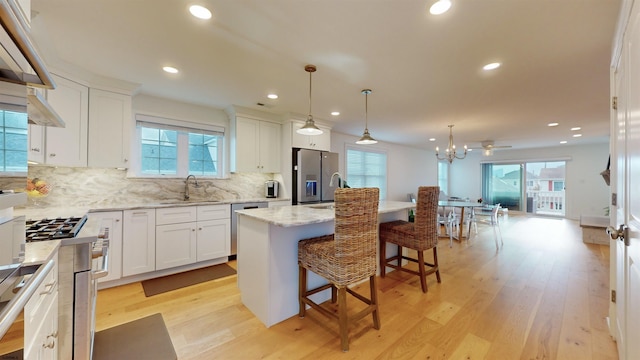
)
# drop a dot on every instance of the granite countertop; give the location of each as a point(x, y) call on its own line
point(297, 215)
point(54, 212)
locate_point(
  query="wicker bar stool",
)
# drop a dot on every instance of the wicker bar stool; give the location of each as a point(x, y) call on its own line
point(420, 235)
point(343, 258)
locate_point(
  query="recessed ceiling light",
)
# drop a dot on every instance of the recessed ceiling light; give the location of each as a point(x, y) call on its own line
point(432, 139)
point(576, 128)
point(440, 7)
point(272, 96)
point(577, 135)
point(170, 69)
point(552, 124)
point(335, 113)
point(491, 66)
point(563, 142)
point(200, 12)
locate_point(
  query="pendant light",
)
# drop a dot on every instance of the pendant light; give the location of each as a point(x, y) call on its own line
point(366, 138)
point(309, 127)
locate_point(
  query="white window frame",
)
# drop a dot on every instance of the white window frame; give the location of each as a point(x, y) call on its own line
point(383, 190)
point(183, 128)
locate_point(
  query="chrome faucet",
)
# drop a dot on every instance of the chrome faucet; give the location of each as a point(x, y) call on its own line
point(340, 182)
point(186, 186)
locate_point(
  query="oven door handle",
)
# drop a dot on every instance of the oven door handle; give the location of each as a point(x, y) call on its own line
point(104, 271)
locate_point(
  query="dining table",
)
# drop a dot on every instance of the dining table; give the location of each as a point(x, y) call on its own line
point(462, 205)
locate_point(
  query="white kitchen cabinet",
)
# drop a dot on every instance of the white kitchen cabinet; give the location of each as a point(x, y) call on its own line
point(109, 129)
point(113, 221)
point(41, 319)
point(176, 237)
point(36, 144)
point(256, 146)
point(68, 146)
point(175, 245)
point(315, 142)
point(24, 10)
point(273, 204)
point(214, 232)
point(138, 241)
point(185, 235)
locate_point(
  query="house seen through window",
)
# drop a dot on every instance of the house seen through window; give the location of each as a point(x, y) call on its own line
point(168, 148)
point(13, 142)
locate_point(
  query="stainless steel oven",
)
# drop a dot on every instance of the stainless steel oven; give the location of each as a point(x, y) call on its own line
point(82, 259)
point(78, 292)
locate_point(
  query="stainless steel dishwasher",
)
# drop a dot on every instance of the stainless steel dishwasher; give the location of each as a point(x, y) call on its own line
point(234, 223)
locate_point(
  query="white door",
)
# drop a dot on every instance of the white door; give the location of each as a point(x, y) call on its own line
point(632, 179)
point(627, 176)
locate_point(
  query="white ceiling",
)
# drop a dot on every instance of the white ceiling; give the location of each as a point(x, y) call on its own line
point(425, 71)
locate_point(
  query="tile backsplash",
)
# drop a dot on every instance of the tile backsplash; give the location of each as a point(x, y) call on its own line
point(104, 188)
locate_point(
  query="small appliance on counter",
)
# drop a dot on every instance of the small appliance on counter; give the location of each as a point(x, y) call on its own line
point(271, 189)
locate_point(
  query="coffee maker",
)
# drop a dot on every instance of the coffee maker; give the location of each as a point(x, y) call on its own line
point(271, 189)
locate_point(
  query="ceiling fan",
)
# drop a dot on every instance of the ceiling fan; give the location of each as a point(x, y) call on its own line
point(487, 147)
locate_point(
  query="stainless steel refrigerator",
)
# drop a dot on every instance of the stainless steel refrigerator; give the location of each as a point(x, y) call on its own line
point(312, 170)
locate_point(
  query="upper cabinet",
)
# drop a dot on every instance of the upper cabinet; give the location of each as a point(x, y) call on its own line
point(315, 142)
point(255, 145)
point(109, 129)
point(97, 130)
point(68, 146)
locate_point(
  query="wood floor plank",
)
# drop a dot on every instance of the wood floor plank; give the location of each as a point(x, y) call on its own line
point(535, 298)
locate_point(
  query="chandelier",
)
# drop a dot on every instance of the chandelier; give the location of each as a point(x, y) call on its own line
point(450, 152)
point(309, 127)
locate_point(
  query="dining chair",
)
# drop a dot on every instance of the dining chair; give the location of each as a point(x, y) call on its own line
point(345, 257)
point(446, 221)
point(421, 235)
point(490, 218)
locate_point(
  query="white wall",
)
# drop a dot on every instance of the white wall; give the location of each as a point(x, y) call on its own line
point(586, 192)
point(408, 167)
point(171, 109)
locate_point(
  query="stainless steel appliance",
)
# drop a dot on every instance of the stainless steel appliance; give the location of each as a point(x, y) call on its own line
point(82, 241)
point(271, 188)
point(234, 222)
point(19, 60)
point(312, 170)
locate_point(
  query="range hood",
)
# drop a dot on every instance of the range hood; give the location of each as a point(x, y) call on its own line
point(19, 61)
point(39, 111)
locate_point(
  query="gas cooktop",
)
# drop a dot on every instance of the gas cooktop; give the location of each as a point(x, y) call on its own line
point(51, 229)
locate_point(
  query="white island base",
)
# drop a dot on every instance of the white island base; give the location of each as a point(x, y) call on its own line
point(268, 255)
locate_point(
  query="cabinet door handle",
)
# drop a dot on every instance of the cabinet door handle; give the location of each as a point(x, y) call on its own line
point(35, 149)
point(52, 155)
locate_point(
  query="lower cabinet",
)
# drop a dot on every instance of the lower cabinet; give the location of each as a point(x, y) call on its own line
point(185, 235)
point(214, 239)
point(139, 241)
point(41, 320)
point(175, 245)
point(164, 238)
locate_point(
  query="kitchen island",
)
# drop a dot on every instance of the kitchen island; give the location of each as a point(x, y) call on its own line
point(268, 254)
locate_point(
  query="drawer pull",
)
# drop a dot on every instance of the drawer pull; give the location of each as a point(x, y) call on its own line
point(49, 288)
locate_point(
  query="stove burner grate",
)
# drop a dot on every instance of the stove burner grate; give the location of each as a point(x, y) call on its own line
point(51, 229)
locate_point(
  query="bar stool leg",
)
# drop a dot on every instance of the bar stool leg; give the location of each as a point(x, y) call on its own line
point(302, 289)
point(342, 318)
point(421, 270)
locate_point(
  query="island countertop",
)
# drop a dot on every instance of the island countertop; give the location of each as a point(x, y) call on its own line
point(297, 215)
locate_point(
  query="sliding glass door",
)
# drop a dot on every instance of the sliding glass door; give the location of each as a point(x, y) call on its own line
point(534, 187)
point(502, 184)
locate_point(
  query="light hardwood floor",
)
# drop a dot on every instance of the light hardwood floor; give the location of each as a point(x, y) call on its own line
point(544, 295)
